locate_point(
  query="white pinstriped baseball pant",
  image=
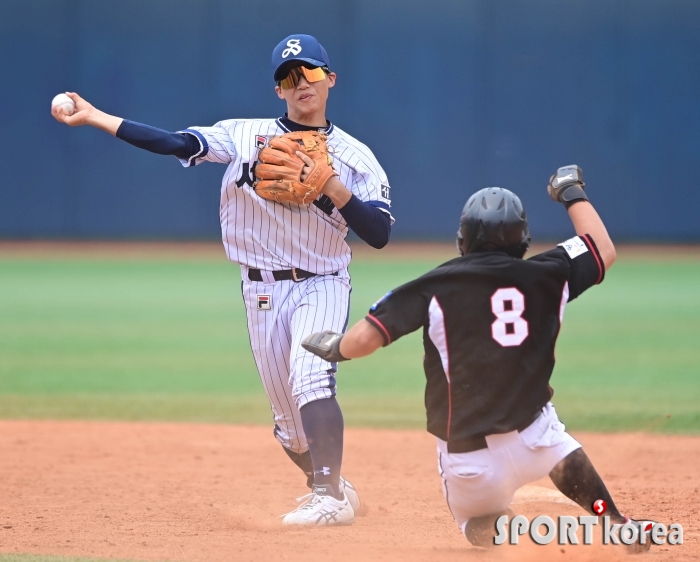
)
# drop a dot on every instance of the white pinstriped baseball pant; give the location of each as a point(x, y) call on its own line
point(291, 375)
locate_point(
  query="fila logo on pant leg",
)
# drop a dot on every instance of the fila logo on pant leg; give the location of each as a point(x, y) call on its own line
point(264, 302)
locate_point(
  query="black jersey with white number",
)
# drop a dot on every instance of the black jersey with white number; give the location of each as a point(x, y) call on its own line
point(490, 323)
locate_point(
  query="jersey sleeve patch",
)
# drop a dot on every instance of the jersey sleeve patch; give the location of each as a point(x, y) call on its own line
point(574, 247)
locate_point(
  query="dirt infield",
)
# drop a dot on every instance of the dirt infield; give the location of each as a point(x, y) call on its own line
point(213, 493)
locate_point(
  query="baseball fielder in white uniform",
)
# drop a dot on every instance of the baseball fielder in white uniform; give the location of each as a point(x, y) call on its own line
point(293, 258)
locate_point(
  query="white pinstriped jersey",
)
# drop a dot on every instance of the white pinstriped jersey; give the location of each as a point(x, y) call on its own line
point(269, 235)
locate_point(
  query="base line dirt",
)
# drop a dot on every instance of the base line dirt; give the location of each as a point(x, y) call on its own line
point(209, 493)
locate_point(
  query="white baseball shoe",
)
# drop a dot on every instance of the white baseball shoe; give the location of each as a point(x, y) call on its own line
point(350, 492)
point(321, 510)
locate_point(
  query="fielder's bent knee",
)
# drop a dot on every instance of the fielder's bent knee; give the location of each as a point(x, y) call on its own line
point(293, 446)
point(311, 396)
point(323, 387)
point(290, 439)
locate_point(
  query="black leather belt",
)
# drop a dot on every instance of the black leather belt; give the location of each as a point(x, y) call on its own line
point(467, 445)
point(479, 442)
point(294, 274)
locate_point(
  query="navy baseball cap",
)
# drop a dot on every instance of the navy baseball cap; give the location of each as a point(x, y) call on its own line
point(303, 48)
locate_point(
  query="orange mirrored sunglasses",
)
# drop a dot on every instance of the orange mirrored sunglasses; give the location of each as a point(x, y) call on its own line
point(295, 74)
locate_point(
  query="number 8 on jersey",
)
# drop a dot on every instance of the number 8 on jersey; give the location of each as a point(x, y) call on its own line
point(510, 328)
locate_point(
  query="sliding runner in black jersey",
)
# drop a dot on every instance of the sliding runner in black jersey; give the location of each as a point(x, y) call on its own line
point(490, 322)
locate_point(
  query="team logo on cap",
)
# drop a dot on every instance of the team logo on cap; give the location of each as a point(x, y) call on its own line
point(294, 48)
point(264, 302)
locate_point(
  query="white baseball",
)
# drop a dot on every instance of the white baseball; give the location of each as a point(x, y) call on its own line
point(62, 100)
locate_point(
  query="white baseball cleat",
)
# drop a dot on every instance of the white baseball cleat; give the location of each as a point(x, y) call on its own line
point(350, 492)
point(321, 510)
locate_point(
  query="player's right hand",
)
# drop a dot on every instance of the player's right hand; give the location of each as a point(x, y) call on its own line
point(82, 111)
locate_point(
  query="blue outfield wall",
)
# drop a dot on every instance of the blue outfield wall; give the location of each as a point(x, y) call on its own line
point(452, 96)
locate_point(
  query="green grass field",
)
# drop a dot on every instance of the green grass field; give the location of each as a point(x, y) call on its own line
point(132, 338)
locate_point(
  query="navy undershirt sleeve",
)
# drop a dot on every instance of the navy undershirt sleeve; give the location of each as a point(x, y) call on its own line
point(367, 221)
point(149, 138)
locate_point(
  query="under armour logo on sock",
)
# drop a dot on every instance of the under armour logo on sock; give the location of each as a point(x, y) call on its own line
point(326, 471)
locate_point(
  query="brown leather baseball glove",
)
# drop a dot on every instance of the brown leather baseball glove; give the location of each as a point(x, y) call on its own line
point(279, 168)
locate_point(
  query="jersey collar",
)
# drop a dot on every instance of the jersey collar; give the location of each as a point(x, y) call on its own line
point(288, 126)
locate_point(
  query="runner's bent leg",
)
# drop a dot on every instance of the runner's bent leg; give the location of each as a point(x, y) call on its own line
point(576, 478)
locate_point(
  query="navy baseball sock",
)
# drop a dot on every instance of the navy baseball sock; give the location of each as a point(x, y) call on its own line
point(323, 426)
point(303, 461)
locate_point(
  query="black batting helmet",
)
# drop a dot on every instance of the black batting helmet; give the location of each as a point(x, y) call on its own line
point(493, 219)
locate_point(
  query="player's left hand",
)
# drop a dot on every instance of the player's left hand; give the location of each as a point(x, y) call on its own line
point(326, 345)
point(294, 168)
point(566, 186)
